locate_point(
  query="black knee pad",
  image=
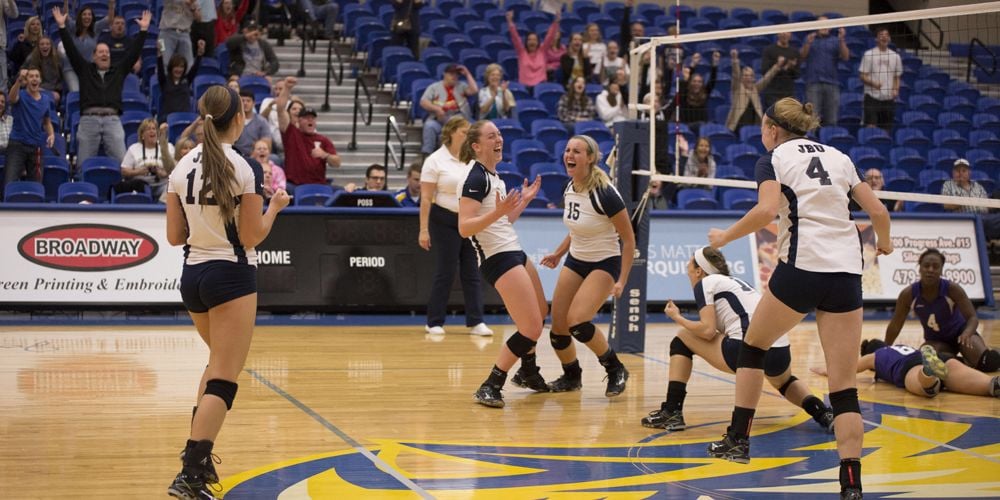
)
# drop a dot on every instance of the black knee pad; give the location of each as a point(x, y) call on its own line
point(583, 332)
point(223, 389)
point(679, 348)
point(560, 342)
point(784, 387)
point(520, 345)
point(989, 361)
point(845, 401)
point(751, 357)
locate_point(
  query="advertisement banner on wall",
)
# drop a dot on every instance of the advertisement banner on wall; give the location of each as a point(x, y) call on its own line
point(88, 258)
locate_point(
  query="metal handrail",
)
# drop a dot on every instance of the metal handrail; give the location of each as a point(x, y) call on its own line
point(971, 59)
point(359, 85)
point(338, 75)
point(922, 34)
point(391, 127)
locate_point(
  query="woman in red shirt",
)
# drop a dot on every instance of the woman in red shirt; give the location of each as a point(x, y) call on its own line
point(228, 22)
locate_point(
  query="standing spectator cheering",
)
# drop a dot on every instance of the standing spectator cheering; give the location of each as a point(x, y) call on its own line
point(443, 100)
point(307, 153)
point(117, 40)
point(32, 128)
point(611, 106)
point(25, 43)
point(249, 54)
point(441, 181)
point(143, 163)
point(783, 83)
point(410, 195)
point(229, 18)
point(880, 70)
point(610, 64)
point(101, 84)
point(47, 60)
point(495, 99)
point(820, 53)
point(694, 92)
point(85, 30)
point(575, 105)
point(175, 28)
point(629, 30)
point(961, 184)
point(326, 13)
point(531, 55)
point(203, 29)
point(746, 106)
point(593, 45)
point(8, 9)
point(176, 82)
point(575, 63)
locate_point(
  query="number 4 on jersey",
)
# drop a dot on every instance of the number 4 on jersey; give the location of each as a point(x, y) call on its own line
point(816, 171)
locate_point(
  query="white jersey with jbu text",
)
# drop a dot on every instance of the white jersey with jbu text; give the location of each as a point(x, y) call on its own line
point(593, 236)
point(734, 301)
point(483, 186)
point(209, 236)
point(815, 229)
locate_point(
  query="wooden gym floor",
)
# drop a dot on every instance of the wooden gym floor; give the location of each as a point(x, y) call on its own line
point(386, 412)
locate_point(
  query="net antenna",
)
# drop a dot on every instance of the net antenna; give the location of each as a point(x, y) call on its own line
point(981, 17)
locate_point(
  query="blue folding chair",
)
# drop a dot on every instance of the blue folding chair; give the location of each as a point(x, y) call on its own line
point(313, 194)
point(77, 192)
point(103, 172)
point(24, 192)
point(133, 197)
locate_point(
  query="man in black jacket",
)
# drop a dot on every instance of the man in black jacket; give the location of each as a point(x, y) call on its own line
point(101, 86)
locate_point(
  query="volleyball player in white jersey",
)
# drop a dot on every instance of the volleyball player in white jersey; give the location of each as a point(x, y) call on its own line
point(808, 185)
point(597, 265)
point(725, 307)
point(486, 213)
point(214, 209)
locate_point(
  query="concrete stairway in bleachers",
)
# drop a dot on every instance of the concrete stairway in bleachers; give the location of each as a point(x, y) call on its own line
point(336, 124)
point(957, 67)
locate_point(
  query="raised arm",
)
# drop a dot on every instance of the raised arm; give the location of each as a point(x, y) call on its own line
point(75, 59)
point(282, 104)
point(134, 49)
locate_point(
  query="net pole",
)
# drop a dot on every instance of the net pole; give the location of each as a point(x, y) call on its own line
point(677, 94)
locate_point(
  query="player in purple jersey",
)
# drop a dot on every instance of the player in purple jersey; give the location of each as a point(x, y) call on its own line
point(923, 372)
point(946, 313)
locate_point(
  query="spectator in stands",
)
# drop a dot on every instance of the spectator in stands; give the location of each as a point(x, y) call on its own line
point(960, 185)
point(873, 177)
point(307, 153)
point(611, 105)
point(85, 29)
point(143, 163)
point(8, 9)
point(554, 51)
point(694, 92)
point(406, 24)
point(375, 180)
point(25, 43)
point(269, 112)
point(445, 99)
point(575, 63)
point(203, 29)
point(441, 181)
point(820, 53)
point(6, 122)
point(249, 54)
point(783, 83)
point(326, 13)
point(176, 82)
point(32, 126)
point(228, 22)
point(117, 41)
point(256, 127)
point(234, 83)
point(176, 19)
point(575, 105)
point(701, 163)
point(610, 64)
point(629, 30)
point(45, 58)
point(274, 176)
point(101, 84)
point(495, 99)
point(745, 94)
point(880, 70)
point(531, 58)
point(410, 195)
point(593, 45)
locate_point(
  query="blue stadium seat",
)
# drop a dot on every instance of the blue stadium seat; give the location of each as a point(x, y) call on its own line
point(527, 152)
point(549, 93)
point(921, 121)
point(696, 199)
point(988, 105)
point(730, 172)
point(584, 8)
point(929, 88)
point(898, 180)
point(406, 74)
point(745, 15)
point(876, 138)
point(921, 207)
point(54, 173)
point(24, 192)
point(596, 129)
point(511, 131)
point(929, 177)
point(508, 59)
point(908, 160)
point(392, 57)
point(984, 179)
point(986, 121)
point(131, 120)
point(942, 159)
point(134, 197)
point(203, 82)
point(983, 159)
point(742, 156)
point(550, 132)
point(866, 157)
point(512, 180)
point(313, 194)
point(955, 121)
point(506, 166)
point(103, 172)
point(720, 136)
point(456, 42)
point(925, 103)
point(529, 110)
point(739, 199)
point(417, 89)
point(545, 168)
point(948, 138)
point(554, 185)
point(984, 139)
point(471, 58)
point(834, 136)
point(539, 201)
point(751, 137)
point(77, 192)
point(913, 138)
point(960, 105)
point(493, 44)
point(177, 122)
point(712, 13)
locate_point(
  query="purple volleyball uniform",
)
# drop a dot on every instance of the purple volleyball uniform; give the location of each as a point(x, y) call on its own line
point(942, 321)
point(892, 363)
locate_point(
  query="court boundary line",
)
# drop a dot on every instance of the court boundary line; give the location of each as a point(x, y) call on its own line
point(378, 462)
point(869, 422)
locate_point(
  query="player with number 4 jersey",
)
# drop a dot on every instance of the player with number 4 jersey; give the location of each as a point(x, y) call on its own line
point(947, 315)
point(600, 247)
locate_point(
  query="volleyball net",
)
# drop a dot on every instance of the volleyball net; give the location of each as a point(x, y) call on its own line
point(905, 113)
